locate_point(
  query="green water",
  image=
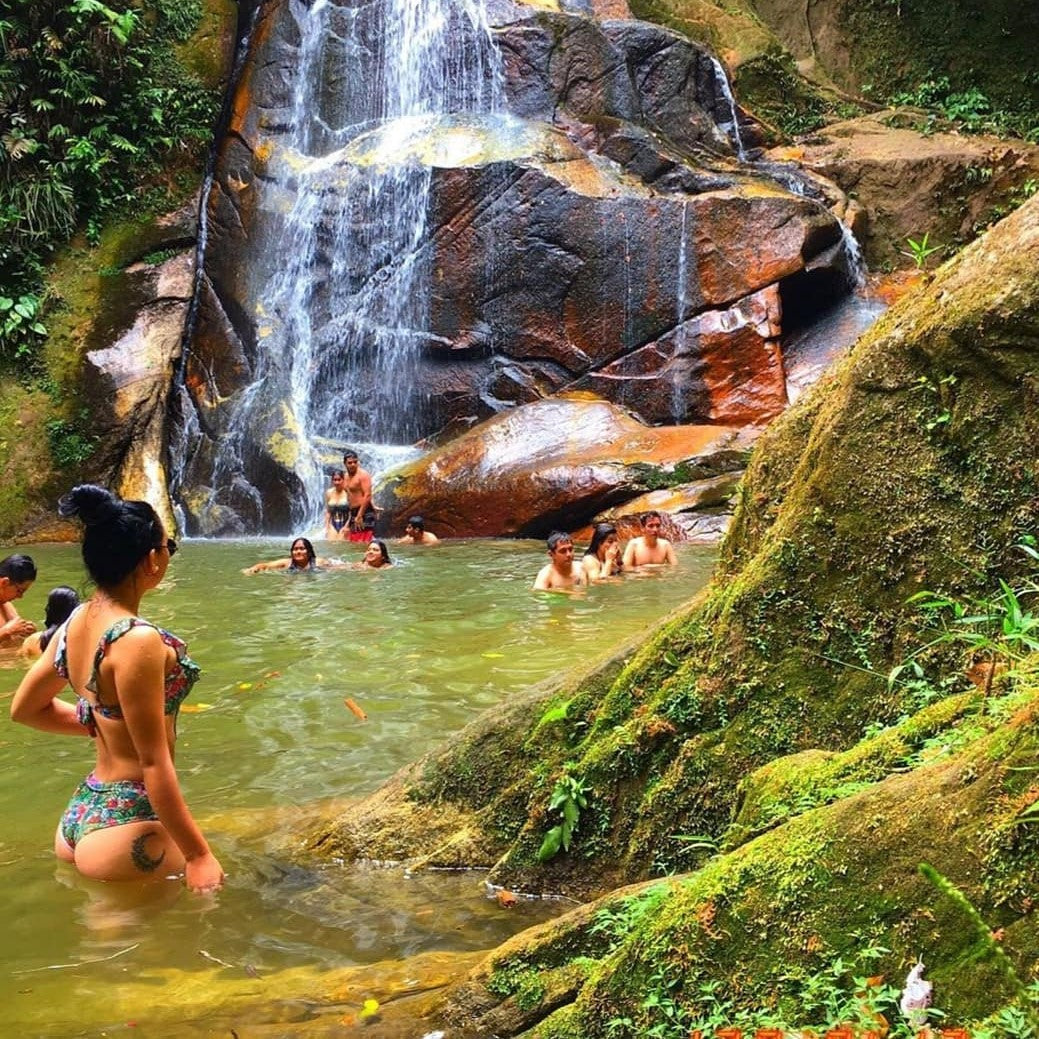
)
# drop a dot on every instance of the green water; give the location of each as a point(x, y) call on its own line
point(422, 648)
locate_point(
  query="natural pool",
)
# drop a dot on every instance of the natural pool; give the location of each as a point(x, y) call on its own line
point(268, 743)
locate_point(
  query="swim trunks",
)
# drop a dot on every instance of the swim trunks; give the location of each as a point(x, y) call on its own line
point(97, 806)
point(365, 535)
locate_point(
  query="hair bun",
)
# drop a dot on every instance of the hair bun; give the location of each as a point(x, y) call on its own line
point(90, 503)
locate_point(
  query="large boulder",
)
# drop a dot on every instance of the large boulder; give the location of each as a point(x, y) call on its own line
point(911, 466)
point(553, 463)
point(594, 231)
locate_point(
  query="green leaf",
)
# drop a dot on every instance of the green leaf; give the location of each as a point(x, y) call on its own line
point(551, 844)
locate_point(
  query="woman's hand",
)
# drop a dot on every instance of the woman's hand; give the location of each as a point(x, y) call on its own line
point(203, 874)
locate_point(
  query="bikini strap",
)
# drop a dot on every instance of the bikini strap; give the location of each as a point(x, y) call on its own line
point(61, 649)
point(113, 634)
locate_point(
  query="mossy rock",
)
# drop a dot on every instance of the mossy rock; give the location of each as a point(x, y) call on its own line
point(912, 466)
point(760, 929)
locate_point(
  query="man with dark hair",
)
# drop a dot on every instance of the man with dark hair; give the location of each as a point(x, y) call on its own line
point(650, 549)
point(361, 525)
point(17, 574)
point(415, 533)
point(559, 574)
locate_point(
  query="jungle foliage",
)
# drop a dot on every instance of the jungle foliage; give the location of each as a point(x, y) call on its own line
point(93, 105)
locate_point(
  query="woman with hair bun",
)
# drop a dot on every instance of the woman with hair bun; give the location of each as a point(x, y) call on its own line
point(127, 820)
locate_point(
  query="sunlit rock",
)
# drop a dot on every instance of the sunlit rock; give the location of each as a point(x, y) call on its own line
point(553, 463)
point(586, 224)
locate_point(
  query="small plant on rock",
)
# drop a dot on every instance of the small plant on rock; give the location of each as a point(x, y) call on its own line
point(920, 249)
point(569, 796)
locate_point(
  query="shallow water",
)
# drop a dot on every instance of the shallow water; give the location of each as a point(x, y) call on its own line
point(266, 745)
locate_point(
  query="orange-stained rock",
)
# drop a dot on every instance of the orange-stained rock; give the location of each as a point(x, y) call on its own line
point(600, 235)
point(551, 464)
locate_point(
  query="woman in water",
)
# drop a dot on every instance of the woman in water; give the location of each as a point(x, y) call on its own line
point(128, 819)
point(301, 557)
point(376, 556)
point(337, 509)
point(60, 604)
point(602, 559)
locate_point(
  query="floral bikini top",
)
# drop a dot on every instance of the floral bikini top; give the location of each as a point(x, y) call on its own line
point(176, 687)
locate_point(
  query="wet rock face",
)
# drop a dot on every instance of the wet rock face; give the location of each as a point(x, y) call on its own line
point(551, 464)
point(599, 236)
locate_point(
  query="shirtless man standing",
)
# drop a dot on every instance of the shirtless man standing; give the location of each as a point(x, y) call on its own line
point(359, 496)
point(337, 508)
point(559, 574)
point(651, 548)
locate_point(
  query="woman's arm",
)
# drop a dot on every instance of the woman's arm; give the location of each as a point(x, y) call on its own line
point(138, 665)
point(277, 564)
point(36, 704)
point(590, 566)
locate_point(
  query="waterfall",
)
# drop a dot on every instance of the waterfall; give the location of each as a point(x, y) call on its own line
point(345, 307)
point(794, 180)
point(732, 126)
point(681, 323)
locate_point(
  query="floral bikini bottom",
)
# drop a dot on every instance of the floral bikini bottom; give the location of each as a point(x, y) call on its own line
point(96, 806)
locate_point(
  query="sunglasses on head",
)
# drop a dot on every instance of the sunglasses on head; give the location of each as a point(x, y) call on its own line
point(170, 546)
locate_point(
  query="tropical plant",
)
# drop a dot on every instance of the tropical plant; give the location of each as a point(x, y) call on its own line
point(92, 99)
point(919, 249)
point(569, 796)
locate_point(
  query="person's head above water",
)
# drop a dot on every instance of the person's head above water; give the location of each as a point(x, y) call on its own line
point(17, 573)
point(558, 537)
point(600, 536)
point(652, 522)
point(415, 523)
point(118, 535)
point(60, 603)
point(377, 554)
point(302, 554)
point(560, 544)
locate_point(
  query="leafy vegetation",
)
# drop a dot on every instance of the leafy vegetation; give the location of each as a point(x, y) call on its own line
point(92, 101)
point(920, 249)
point(569, 796)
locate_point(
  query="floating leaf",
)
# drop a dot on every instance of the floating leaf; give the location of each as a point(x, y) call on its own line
point(492, 656)
point(243, 686)
point(354, 708)
point(369, 1008)
point(196, 708)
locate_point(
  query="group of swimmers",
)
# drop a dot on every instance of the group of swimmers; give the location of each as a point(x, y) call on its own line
point(303, 557)
point(128, 819)
point(603, 559)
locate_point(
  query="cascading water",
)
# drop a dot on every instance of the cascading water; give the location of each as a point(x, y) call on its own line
point(681, 315)
point(346, 310)
point(732, 126)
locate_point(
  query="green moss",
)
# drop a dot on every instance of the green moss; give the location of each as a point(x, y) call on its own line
point(207, 53)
